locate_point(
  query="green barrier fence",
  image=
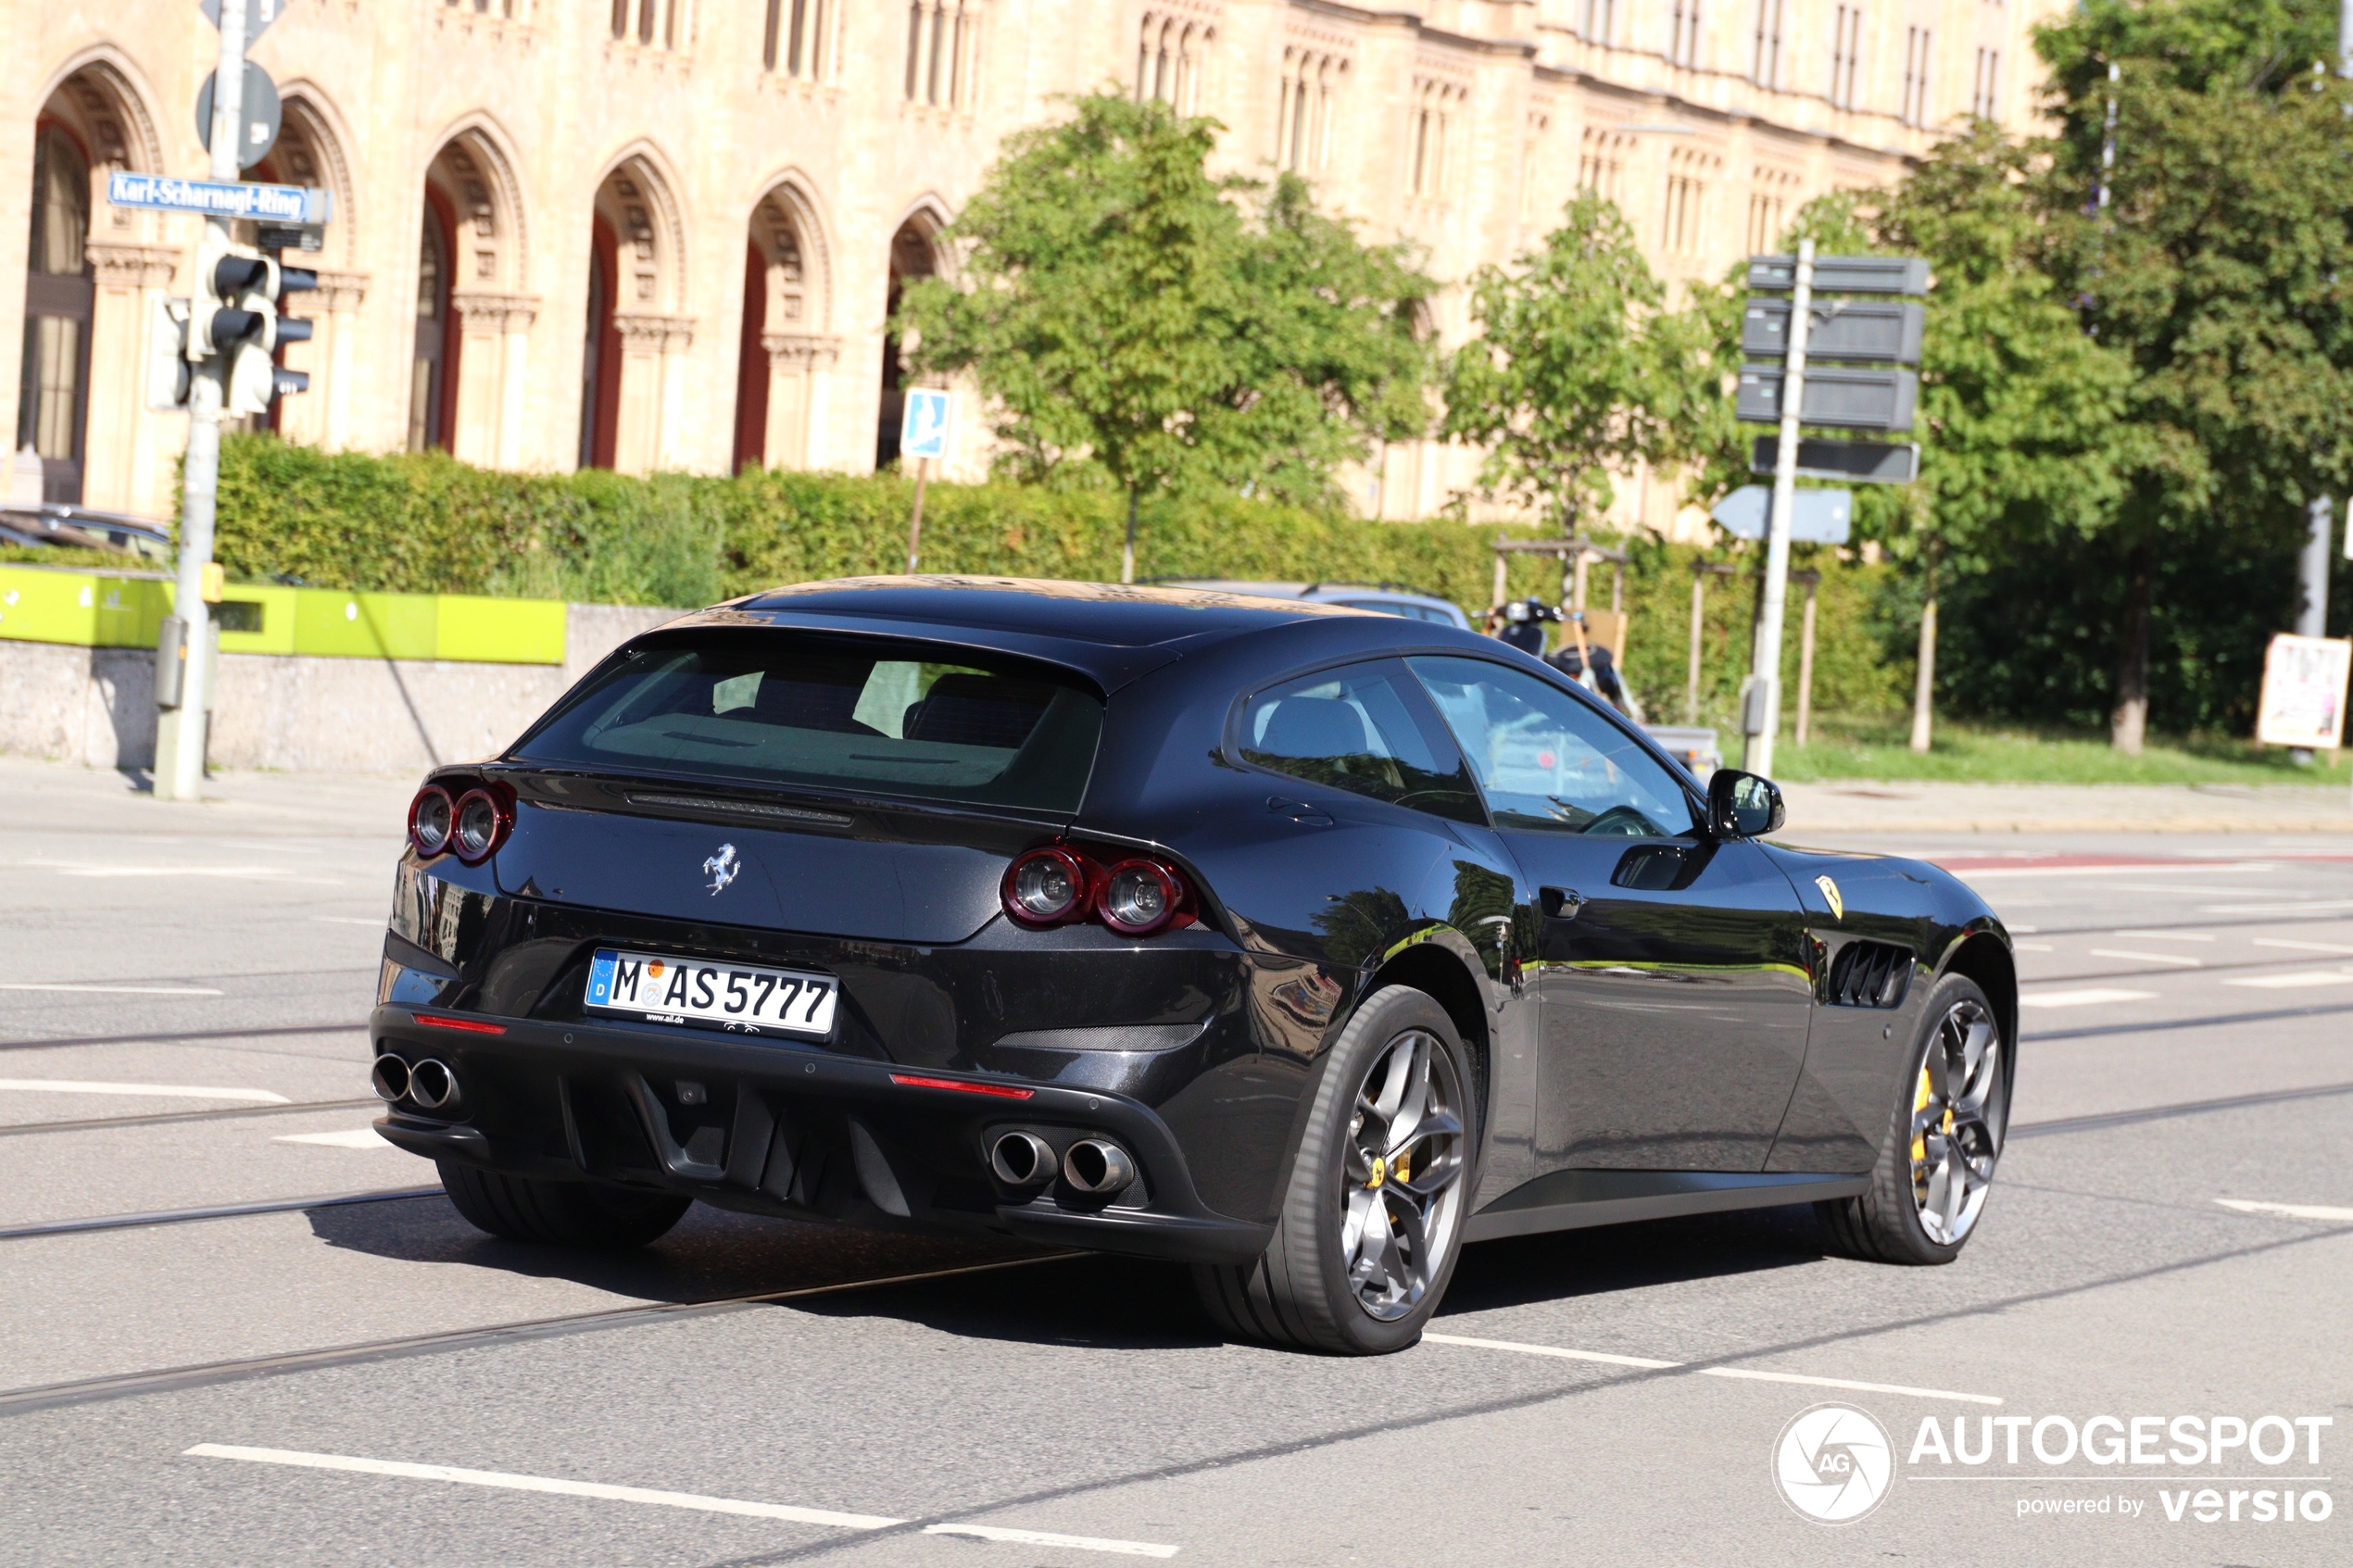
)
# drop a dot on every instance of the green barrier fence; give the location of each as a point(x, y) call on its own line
point(126, 610)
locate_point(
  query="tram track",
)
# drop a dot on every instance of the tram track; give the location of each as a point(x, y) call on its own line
point(169, 1118)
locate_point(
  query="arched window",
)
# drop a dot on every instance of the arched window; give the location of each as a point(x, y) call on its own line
point(53, 393)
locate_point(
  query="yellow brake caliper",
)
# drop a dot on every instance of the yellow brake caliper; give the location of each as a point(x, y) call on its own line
point(1920, 1140)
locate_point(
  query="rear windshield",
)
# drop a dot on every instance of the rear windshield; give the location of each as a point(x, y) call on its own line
point(782, 708)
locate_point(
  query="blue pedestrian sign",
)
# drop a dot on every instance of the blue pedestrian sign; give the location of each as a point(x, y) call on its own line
point(923, 432)
point(222, 198)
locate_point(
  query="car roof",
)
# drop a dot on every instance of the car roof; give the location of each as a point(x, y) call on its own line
point(1109, 632)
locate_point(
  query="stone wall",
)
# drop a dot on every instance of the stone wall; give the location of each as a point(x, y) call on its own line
point(299, 714)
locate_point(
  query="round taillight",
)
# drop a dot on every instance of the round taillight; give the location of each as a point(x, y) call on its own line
point(1046, 886)
point(482, 822)
point(431, 816)
point(1140, 896)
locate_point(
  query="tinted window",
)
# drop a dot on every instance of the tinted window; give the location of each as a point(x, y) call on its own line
point(785, 709)
point(1547, 762)
point(1355, 730)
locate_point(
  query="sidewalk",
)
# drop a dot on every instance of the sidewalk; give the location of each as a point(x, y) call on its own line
point(1863, 806)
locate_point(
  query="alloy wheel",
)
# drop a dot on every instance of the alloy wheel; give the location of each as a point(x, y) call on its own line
point(1958, 1115)
point(1400, 1181)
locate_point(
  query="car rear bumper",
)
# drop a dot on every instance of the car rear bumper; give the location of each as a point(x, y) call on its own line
point(772, 1127)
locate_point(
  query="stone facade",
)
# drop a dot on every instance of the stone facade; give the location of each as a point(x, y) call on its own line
point(665, 233)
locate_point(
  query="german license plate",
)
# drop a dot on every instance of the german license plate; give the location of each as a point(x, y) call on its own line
point(745, 998)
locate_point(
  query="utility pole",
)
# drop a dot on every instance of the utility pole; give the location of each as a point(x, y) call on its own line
point(1761, 703)
point(180, 732)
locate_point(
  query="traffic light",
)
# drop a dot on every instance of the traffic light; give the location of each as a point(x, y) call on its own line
point(237, 323)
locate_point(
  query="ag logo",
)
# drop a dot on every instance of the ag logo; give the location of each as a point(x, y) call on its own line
point(1834, 1464)
point(722, 868)
point(1829, 892)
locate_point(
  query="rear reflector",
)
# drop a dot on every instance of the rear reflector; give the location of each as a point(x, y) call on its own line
point(1005, 1091)
point(471, 1026)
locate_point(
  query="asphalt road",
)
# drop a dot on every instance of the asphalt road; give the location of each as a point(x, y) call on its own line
point(301, 1380)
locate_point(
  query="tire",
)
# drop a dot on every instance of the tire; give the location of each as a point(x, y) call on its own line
point(1943, 1137)
point(1302, 1291)
point(583, 1214)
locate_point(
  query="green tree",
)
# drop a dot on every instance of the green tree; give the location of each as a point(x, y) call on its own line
point(1576, 370)
point(1136, 320)
point(2220, 268)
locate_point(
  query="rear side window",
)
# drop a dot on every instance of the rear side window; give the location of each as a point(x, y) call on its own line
point(1360, 728)
point(785, 709)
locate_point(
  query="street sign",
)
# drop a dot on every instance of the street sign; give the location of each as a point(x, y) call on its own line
point(262, 115)
point(1848, 399)
point(301, 236)
point(1838, 329)
point(1843, 274)
point(1864, 462)
point(2303, 698)
point(259, 14)
point(221, 198)
point(923, 431)
point(1819, 517)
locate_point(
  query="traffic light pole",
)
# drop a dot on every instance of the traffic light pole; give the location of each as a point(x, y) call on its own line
point(1761, 703)
point(180, 732)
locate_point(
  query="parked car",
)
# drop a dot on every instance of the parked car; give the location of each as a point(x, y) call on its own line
point(1385, 599)
point(1242, 931)
point(80, 528)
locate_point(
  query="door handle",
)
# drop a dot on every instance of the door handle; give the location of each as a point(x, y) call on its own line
point(1562, 903)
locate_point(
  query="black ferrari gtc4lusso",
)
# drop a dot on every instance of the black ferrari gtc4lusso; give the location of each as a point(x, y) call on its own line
point(1295, 943)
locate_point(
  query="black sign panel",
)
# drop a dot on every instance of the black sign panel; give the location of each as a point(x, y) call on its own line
point(1843, 274)
point(1840, 329)
point(1867, 462)
point(1843, 399)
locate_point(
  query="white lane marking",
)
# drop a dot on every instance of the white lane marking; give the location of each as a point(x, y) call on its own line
point(1976, 873)
point(1511, 1345)
point(2297, 980)
point(348, 920)
point(507, 1481)
point(2169, 936)
point(357, 1138)
point(2289, 1211)
point(1756, 1376)
point(2035, 946)
point(2277, 905)
point(2026, 930)
point(111, 990)
point(2145, 958)
point(88, 868)
point(2302, 946)
point(2089, 996)
point(1750, 1374)
point(169, 1091)
point(1047, 1537)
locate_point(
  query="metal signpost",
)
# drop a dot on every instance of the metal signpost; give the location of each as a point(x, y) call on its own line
point(923, 431)
point(215, 354)
point(1786, 395)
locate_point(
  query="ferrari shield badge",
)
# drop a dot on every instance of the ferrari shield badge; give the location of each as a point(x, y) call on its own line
point(1830, 891)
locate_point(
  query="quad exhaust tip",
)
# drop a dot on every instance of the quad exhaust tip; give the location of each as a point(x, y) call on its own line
point(1095, 1166)
point(432, 1086)
point(1022, 1160)
point(389, 1078)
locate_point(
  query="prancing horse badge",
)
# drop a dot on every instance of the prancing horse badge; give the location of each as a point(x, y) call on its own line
point(1830, 891)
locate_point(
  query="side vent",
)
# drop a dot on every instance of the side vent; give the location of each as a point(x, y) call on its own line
point(1870, 975)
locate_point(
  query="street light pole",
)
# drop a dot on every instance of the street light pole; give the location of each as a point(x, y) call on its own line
point(1761, 706)
point(180, 732)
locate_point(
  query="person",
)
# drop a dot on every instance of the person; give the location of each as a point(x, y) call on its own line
point(1590, 665)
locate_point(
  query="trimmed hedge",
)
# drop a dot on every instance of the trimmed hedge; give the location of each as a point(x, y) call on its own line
point(426, 523)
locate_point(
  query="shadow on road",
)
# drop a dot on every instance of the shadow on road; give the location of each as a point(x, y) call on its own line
point(1098, 1301)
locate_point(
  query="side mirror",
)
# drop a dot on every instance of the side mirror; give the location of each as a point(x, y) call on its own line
point(1744, 806)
